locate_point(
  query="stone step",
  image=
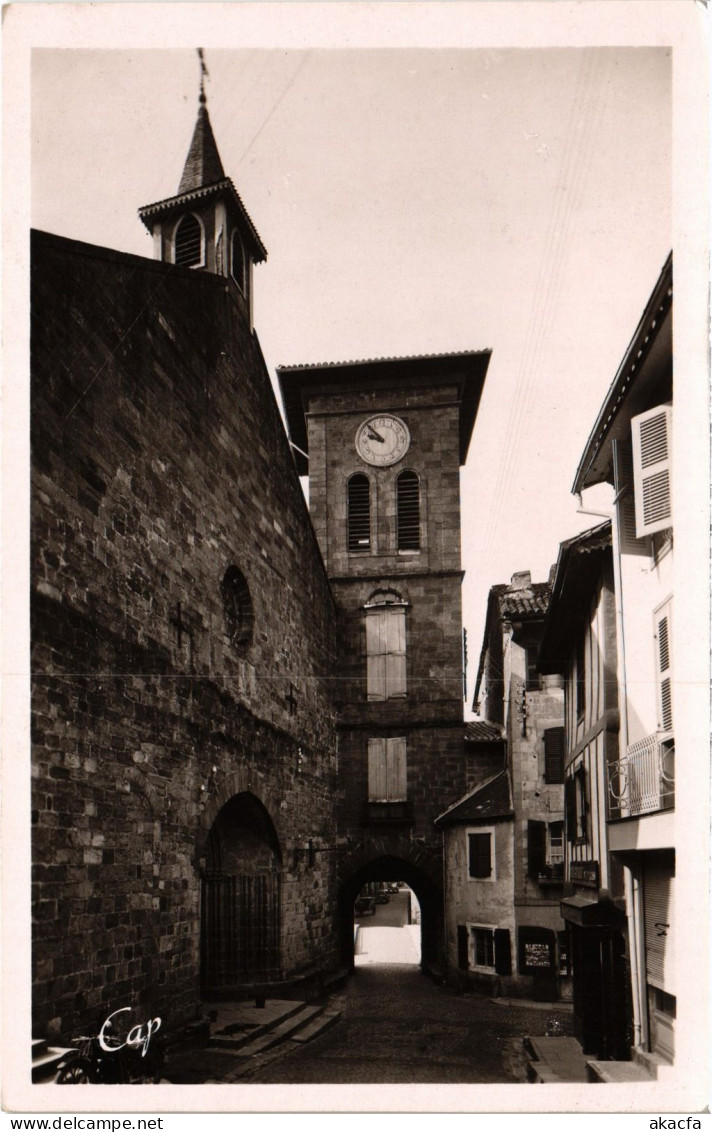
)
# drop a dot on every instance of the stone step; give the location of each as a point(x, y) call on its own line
point(281, 1032)
point(45, 1061)
point(616, 1072)
point(312, 1030)
point(235, 1035)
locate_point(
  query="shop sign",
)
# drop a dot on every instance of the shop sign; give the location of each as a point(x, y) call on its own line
point(536, 950)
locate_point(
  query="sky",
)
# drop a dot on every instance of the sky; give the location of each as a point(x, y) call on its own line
point(412, 201)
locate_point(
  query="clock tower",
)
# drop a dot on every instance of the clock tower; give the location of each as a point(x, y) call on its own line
point(382, 443)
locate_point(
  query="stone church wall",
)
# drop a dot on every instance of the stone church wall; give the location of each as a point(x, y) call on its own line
point(158, 461)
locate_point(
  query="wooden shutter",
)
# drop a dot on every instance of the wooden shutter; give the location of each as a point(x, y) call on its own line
point(377, 778)
point(663, 660)
point(480, 855)
point(396, 783)
point(554, 755)
point(658, 889)
point(376, 654)
point(502, 952)
point(394, 648)
point(625, 500)
point(463, 959)
point(652, 464)
point(536, 848)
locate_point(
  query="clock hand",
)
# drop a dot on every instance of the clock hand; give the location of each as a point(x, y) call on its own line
point(375, 435)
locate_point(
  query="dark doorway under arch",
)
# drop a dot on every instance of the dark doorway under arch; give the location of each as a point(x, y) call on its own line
point(241, 898)
point(392, 868)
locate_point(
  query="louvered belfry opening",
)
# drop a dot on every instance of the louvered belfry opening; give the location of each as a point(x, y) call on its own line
point(359, 512)
point(189, 240)
point(408, 511)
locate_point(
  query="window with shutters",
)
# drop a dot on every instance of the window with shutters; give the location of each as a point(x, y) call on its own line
point(536, 849)
point(663, 664)
point(189, 250)
point(387, 772)
point(554, 756)
point(624, 481)
point(651, 434)
point(482, 948)
point(555, 847)
point(237, 261)
point(480, 858)
point(490, 949)
point(408, 508)
point(359, 512)
point(385, 647)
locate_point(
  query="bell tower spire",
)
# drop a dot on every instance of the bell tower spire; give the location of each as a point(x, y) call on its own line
point(205, 226)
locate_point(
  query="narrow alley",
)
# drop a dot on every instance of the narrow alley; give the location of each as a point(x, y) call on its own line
point(398, 1026)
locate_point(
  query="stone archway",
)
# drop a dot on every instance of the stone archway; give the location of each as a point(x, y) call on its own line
point(411, 866)
point(240, 898)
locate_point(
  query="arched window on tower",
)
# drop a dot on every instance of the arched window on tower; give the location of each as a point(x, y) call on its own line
point(359, 512)
point(237, 261)
point(189, 242)
point(408, 494)
point(385, 646)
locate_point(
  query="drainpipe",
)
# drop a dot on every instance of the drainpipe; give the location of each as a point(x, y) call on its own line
point(630, 883)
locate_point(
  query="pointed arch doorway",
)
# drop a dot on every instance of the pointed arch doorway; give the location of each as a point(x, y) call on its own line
point(240, 928)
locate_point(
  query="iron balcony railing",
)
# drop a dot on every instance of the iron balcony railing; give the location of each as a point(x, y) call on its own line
point(643, 781)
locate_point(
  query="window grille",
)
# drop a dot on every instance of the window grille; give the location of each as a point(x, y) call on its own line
point(359, 513)
point(408, 492)
point(189, 242)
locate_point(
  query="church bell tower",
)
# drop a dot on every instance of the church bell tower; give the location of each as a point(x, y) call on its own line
point(382, 442)
point(205, 226)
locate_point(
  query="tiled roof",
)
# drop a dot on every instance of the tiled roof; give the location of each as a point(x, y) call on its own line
point(510, 602)
point(385, 358)
point(491, 800)
point(532, 601)
point(477, 731)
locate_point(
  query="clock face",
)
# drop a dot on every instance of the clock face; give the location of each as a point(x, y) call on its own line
point(382, 440)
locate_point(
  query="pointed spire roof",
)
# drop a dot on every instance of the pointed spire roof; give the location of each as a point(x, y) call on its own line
point(204, 178)
point(203, 166)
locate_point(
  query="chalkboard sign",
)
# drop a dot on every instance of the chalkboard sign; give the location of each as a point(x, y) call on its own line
point(537, 950)
point(537, 955)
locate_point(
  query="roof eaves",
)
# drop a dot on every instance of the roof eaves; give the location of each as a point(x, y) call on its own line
point(171, 203)
point(640, 345)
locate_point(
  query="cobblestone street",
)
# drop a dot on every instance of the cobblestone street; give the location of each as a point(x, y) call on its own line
point(397, 1026)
